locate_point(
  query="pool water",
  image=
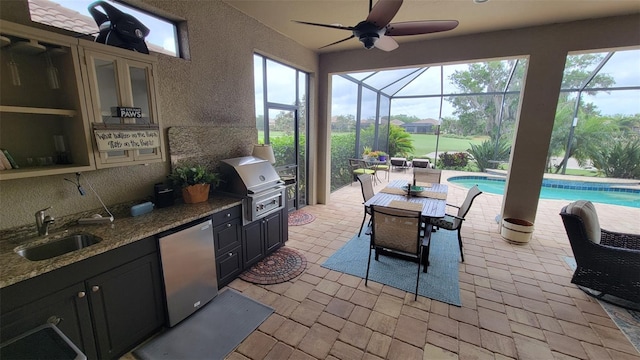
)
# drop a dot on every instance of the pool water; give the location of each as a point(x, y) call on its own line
point(605, 193)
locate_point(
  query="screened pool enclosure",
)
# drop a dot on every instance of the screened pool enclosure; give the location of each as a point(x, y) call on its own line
point(472, 108)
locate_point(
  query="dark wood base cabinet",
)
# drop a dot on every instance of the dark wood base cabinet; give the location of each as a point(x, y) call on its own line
point(106, 304)
point(227, 232)
point(262, 237)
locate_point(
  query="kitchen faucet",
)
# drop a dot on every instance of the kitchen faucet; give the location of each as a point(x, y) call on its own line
point(43, 222)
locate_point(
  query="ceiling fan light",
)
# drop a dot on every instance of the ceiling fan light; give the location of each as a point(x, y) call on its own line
point(369, 40)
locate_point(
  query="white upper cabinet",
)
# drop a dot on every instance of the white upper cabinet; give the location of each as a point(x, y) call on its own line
point(124, 114)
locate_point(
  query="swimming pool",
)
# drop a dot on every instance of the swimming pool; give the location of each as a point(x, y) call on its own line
point(606, 193)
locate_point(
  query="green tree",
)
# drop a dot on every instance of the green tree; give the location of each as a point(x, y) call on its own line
point(480, 114)
point(260, 122)
point(400, 142)
point(405, 118)
point(284, 122)
point(592, 129)
point(344, 123)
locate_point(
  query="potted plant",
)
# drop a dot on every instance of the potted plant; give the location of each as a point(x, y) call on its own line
point(382, 156)
point(366, 152)
point(195, 181)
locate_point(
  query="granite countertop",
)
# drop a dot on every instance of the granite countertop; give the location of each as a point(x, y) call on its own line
point(124, 230)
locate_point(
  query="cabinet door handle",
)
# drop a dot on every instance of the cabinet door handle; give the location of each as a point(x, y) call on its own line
point(230, 254)
point(95, 288)
point(228, 225)
point(55, 320)
point(81, 294)
point(228, 215)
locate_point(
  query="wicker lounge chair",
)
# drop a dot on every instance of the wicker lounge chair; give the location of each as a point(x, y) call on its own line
point(607, 262)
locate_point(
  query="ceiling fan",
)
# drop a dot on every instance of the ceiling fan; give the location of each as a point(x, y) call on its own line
point(377, 31)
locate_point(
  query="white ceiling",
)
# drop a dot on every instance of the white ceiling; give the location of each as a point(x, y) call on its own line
point(474, 18)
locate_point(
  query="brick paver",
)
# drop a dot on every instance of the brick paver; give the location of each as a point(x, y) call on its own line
point(517, 300)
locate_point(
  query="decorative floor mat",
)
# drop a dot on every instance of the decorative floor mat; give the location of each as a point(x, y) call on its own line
point(300, 217)
point(210, 333)
point(283, 265)
point(439, 283)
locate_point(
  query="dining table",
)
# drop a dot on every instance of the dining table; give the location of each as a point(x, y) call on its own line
point(430, 199)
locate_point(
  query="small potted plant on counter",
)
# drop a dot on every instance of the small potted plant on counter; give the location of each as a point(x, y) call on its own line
point(195, 181)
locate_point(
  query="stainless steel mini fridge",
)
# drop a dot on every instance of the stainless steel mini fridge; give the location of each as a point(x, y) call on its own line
point(189, 269)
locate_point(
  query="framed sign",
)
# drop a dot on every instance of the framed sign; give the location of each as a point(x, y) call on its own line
point(128, 112)
point(109, 140)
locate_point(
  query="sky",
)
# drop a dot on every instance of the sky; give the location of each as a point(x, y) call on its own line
point(161, 34)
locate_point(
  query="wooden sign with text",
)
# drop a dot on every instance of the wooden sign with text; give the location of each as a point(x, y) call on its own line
point(109, 140)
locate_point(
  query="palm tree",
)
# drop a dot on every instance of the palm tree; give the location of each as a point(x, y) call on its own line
point(400, 143)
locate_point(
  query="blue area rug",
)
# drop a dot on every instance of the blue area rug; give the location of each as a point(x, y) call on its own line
point(627, 320)
point(439, 283)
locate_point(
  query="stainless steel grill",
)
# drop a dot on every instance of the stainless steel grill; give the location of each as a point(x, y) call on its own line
point(257, 182)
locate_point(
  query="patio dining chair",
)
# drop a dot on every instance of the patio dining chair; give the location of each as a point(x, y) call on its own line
point(366, 185)
point(608, 263)
point(359, 167)
point(426, 175)
point(382, 166)
point(454, 222)
point(397, 231)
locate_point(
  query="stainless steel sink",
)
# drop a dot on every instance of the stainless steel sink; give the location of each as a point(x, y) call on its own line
point(58, 247)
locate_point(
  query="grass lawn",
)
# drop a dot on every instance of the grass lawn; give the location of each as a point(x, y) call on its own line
point(423, 143)
point(582, 172)
point(426, 143)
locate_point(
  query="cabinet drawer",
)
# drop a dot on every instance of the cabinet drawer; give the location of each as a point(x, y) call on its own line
point(229, 265)
point(226, 215)
point(227, 236)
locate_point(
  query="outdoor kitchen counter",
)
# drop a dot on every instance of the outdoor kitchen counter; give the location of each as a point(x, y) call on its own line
point(124, 230)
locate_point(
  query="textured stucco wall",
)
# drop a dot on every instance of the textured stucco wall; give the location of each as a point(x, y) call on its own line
point(214, 87)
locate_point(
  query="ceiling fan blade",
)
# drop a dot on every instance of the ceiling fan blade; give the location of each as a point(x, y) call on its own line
point(386, 43)
point(420, 27)
point(338, 42)
point(383, 12)
point(340, 27)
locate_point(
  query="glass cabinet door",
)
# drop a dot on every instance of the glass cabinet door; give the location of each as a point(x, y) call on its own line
point(119, 82)
point(139, 78)
point(106, 88)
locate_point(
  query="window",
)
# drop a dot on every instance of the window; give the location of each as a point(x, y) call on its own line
point(281, 120)
point(598, 115)
point(403, 111)
point(73, 15)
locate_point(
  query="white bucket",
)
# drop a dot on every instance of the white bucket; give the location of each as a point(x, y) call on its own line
point(516, 230)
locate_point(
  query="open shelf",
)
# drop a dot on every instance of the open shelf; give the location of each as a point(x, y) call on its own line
point(36, 110)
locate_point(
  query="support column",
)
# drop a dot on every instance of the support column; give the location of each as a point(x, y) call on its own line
point(538, 104)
